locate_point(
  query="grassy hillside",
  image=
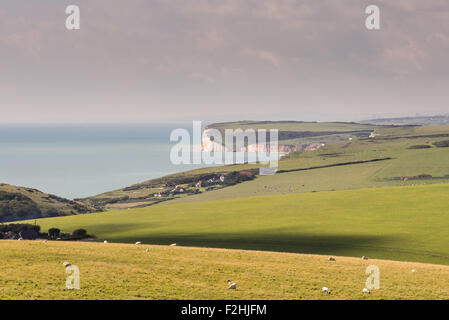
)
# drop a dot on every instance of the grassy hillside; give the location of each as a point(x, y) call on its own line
point(410, 156)
point(34, 270)
point(397, 223)
point(17, 203)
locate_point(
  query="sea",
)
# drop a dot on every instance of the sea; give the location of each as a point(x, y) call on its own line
point(76, 161)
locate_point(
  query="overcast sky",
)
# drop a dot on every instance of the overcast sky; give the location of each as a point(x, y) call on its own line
point(180, 60)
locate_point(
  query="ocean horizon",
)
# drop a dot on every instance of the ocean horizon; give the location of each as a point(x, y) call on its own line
point(81, 160)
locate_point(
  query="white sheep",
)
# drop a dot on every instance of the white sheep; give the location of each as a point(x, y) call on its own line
point(173, 245)
point(331, 259)
point(147, 250)
point(325, 289)
point(105, 241)
point(366, 290)
point(66, 264)
point(138, 242)
point(232, 285)
point(413, 270)
point(364, 258)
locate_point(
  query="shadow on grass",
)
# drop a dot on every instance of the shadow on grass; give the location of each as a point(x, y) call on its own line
point(295, 243)
point(380, 247)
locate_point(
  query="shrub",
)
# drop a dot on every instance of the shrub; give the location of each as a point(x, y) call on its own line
point(79, 234)
point(53, 233)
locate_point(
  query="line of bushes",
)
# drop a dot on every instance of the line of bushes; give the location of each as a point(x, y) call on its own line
point(14, 230)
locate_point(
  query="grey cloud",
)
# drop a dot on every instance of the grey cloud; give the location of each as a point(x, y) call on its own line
point(194, 56)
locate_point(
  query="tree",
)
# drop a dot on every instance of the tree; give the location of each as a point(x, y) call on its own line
point(79, 234)
point(53, 233)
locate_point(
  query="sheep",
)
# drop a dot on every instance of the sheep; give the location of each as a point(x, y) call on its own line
point(66, 264)
point(173, 245)
point(413, 270)
point(232, 286)
point(364, 258)
point(147, 250)
point(105, 241)
point(138, 242)
point(365, 290)
point(331, 259)
point(326, 289)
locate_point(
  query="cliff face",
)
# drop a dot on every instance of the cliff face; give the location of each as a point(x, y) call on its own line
point(208, 145)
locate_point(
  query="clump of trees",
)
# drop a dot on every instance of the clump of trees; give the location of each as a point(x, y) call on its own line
point(18, 227)
point(78, 234)
point(12, 231)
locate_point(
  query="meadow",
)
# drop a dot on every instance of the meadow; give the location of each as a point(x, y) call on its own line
point(34, 270)
point(397, 223)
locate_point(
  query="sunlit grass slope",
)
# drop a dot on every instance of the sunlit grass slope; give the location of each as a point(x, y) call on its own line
point(397, 223)
point(34, 270)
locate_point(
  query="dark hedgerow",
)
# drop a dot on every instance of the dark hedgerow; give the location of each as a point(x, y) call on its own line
point(19, 227)
point(441, 144)
point(420, 146)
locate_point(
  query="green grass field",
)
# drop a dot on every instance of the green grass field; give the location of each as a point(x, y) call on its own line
point(397, 223)
point(34, 270)
point(355, 176)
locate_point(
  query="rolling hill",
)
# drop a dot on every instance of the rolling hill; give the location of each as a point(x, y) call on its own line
point(395, 156)
point(397, 223)
point(18, 203)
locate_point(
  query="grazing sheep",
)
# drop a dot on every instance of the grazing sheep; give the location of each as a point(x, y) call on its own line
point(364, 258)
point(331, 259)
point(173, 245)
point(147, 250)
point(105, 241)
point(413, 270)
point(138, 242)
point(66, 264)
point(365, 290)
point(232, 285)
point(326, 289)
